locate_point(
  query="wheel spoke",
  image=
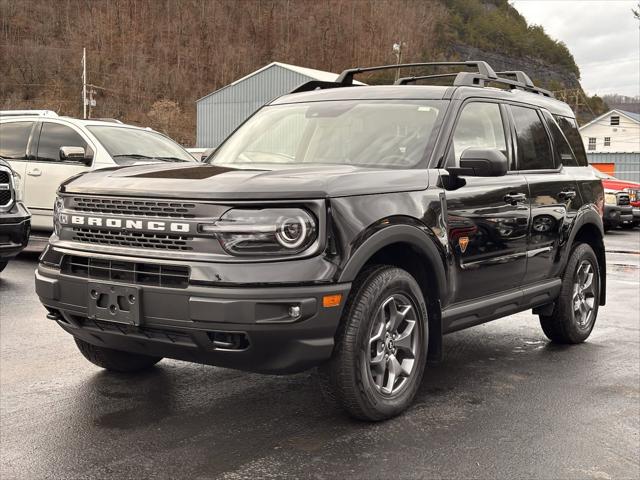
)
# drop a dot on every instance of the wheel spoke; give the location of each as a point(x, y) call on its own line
point(378, 363)
point(379, 335)
point(404, 341)
point(407, 366)
point(394, 368)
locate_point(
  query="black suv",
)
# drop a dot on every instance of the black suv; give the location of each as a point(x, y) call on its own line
point(342, 227)
point(15, 219)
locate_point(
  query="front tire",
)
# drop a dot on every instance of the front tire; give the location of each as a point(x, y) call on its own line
point(115, 360)
point(381, 346)
point(575, 311)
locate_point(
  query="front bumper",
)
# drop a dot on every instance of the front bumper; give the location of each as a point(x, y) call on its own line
point(626, 214)
point(195, 322)
point(15, 226)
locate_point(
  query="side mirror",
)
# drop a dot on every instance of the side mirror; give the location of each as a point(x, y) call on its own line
point(206, 154)
point(481, 162)
point(76, 154)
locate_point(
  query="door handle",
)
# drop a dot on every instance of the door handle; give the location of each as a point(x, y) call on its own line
point(35, 172)
point(513, 198)
point(567, 194)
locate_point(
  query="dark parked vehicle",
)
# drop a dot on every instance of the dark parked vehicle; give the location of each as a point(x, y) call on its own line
point(342, 227)
point(15, 220)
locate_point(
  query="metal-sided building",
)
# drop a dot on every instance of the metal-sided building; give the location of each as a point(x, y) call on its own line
point(220, 112)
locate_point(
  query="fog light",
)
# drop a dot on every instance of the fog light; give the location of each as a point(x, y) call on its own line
point(294, 311)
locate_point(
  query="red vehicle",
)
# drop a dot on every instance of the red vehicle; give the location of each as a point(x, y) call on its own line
point(622, 201)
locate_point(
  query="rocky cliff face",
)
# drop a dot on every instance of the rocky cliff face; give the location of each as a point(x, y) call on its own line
point(553, 77)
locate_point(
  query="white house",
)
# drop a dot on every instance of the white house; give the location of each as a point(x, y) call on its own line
point(617, 131)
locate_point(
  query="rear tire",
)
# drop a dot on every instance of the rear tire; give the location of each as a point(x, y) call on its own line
point(115, 360)
point(381, 346)
point(575, 311)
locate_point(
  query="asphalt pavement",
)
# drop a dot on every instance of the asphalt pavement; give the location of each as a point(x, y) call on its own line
point(504, 403)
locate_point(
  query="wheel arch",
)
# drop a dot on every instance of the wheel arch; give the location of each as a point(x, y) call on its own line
point(588, 228)
point(415, 250)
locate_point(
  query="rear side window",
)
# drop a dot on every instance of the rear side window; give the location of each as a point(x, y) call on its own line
point(14, 137)
point(560, 143)
point(570, 129)
point(52, 137)
point(534, 147)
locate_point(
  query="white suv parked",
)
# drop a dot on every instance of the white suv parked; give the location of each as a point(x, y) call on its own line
point(45, 149)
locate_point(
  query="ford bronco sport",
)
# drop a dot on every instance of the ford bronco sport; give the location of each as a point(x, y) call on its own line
point(341, 227)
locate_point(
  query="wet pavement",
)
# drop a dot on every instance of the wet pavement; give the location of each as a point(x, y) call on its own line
point(504, 404)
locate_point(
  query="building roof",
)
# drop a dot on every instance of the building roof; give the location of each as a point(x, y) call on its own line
point(312, 73)
point(633, 115)
point(630, 115)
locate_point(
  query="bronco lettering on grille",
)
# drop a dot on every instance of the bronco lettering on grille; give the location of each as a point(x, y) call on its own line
point(127, 224)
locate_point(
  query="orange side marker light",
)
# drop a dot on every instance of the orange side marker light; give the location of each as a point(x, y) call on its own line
point(331, 300)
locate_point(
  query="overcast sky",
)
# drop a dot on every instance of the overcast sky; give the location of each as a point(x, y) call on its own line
point(602, 35)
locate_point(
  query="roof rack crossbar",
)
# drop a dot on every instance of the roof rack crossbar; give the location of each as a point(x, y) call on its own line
point(413, 79)
point(346, 77)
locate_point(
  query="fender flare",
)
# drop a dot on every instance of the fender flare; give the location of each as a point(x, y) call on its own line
point(589, 217)
point(417, 237)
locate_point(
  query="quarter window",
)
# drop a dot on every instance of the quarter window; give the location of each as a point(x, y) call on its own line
point(52, 137)
point(569, 127)
point(534, 148)
point(14, 137)
point(592, 143)
point(479, 126)
point(560, 142)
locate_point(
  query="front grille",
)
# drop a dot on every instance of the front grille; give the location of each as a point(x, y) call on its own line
point(5, 188)
point(133, 239)
point(623, 199)
point(5, 197)
point(145, 208)
point(139, 273)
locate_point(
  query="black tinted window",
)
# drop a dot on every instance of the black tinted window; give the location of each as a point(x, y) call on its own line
point(534, 148)
point(570, 129)
point(560, 143)
point(14, 137)
point(53, 136)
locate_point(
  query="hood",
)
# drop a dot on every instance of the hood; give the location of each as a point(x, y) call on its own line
point(212, 182)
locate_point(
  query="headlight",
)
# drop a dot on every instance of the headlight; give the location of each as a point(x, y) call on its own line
point(17, 187)
point(277, 231)
point(57, 211)
point(610, 199)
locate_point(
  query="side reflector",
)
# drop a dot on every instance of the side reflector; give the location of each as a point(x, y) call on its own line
point(331, 300)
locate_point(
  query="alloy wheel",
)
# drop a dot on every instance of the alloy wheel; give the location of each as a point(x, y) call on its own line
point(584, 294)
point(393, 344)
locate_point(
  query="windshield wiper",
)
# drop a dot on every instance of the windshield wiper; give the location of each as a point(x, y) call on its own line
point(172, 159)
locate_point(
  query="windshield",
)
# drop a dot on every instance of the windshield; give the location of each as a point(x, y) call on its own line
point(380, 134)
point(131, 145)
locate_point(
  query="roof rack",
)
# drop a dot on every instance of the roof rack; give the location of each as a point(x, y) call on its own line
point(521, 80)
point(346, 77)
point(484, 75)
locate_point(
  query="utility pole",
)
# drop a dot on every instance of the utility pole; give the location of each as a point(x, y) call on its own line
point(84, 83)
point(397, 50)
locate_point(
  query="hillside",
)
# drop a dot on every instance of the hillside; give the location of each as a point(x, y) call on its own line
point(150, 59)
